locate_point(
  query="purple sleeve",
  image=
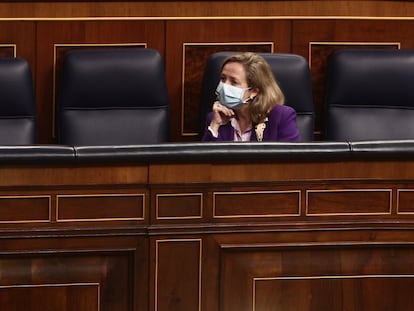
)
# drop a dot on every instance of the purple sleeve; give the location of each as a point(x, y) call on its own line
point(208, 136)
point(225, 132)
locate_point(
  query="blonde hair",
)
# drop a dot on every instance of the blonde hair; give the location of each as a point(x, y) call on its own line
point(260, 76)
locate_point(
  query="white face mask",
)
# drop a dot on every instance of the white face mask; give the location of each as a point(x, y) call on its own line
point(230, 96)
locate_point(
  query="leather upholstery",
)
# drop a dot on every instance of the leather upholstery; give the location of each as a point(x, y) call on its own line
point(214, 152)
point(37, 154)
point(389, 149)
point(18, 124)
point(113, 97)
point(370, 95)
point(291, 72)
point(234, 152)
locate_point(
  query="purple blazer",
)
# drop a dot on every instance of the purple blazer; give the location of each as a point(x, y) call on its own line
point(280, 126)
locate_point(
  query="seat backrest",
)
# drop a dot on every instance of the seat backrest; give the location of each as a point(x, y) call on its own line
point(113, 97)
point(18, 123)
point(370, 95)
point(292, 74)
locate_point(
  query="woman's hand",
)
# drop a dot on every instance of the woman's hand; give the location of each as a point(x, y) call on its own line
point(221, 115)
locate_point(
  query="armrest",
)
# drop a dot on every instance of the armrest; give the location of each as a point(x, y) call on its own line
point(36, 154)
point(214, 152)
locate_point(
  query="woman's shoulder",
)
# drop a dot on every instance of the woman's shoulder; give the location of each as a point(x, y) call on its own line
point(280, 111)
point(284, 119)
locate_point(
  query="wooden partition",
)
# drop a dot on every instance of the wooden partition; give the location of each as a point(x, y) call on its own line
point(323, 230)
point(186, 32)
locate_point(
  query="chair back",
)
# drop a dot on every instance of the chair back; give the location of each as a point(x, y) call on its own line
point(113, 97)
point(370, 95)
point(18, 119)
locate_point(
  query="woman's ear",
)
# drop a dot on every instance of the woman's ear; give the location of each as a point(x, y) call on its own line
point(254, 92)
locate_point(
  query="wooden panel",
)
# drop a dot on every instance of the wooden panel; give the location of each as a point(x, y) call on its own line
point(55, 176)
point(165, 173)
point(25, 209)
point(179, 206)
point(100, 207)
point(265, 204)
point(333, 292)
point(78, 34)
point(317, 278)
point(205, 8)
point(89, 281)
point(348, 202)
point(7, 50)
point(177, 275)
point(272, 172)
point(405, 201)
point(70, 297)
point(21, 36)
point(209, 36)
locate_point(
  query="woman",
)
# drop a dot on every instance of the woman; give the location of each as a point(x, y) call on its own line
point(250, 104)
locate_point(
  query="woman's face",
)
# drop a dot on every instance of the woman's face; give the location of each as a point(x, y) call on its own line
point(233, 73)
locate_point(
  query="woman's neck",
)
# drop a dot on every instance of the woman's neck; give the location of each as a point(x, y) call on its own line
point(243, 118)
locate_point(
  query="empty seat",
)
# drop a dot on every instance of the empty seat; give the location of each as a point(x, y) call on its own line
point(18, 124)
point(370, 95)
point(113, 97)
point(291, 72)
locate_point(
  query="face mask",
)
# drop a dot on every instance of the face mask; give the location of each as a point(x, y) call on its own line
point(230, 96)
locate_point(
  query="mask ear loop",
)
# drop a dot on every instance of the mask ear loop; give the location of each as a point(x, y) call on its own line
point(249, 99)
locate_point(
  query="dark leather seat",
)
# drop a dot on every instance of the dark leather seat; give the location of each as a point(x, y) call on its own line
point(113, 97)
point(18, 122)
point(370, 95)
point(291, 72)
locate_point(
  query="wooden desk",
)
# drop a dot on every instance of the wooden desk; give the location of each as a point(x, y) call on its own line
point(268, 230)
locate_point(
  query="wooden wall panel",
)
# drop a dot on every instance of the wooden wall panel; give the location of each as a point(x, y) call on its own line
point(202, 8)
point(82, 34)
point(21, 35)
